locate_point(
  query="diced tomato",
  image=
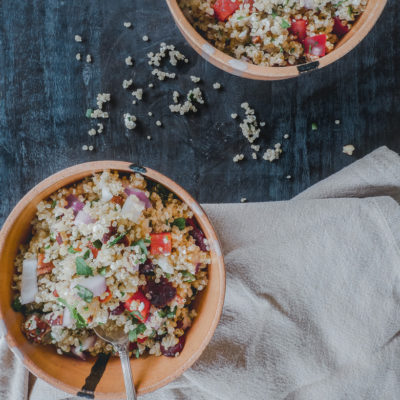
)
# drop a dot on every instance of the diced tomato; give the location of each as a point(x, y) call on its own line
point(112, 230)
point(225, 8)
point(161, 243)
point(339, 28)
point(90, 319)
point(35, 328)
point(43, 268)
point(299, 28)
point(117, 200)
point(139, 305)
point(59, 238)
point(141, 340)
point(93, 249)
point(179, 299)
point(315, 45)
point(256, 39)
point(108, 297)
point(55, 293)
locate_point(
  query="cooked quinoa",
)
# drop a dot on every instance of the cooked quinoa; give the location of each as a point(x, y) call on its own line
point(273, 32)
point(112, 249)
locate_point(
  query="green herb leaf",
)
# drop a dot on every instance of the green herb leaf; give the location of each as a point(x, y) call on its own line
point(189, 277)
point(89, 113)
point(84, 293)
point(137, 353)
point(82, 268)
point(47, 247)
point(117, 239)
point(80, 321)
point(16, 305)
point(172, 313)
point(103, 271)
point(180, 223)
point(53, 204)
point(71, 250)
point(86, 255)
point(285, 24)
point(97, 243)
point(136, 314)
point(314, 126)
point(133, 334)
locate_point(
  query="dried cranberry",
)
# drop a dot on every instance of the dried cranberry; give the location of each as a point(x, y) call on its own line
point(125, 241)
point(147, 268)
point(132, 346)
point(171, 351)
point(196, 233)
point(161, 293)
point(119, 310)
point(112, 230)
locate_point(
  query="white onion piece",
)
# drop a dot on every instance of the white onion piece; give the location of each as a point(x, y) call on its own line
point(67, 318)
point(83, 218)
point(29, 286)
point(132, 208)
point(96, 284)
point(164, 264)
point(77, 352)
point(140, 194)
point(88, 342)
point(106, 195)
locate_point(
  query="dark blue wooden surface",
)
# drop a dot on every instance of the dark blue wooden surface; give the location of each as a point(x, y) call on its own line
point(44, 93)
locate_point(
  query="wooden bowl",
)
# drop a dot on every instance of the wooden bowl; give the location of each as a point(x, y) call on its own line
point(100, 377)
point(247, 70)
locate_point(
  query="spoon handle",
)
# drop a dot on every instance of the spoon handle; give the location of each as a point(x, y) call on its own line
point(126, 370)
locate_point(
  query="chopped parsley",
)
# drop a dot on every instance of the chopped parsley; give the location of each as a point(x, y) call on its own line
point(86, 255)
point(97, 243)
point(53, 204)
point(117, 239)
point(72, 250)
point(82, 268)
point(189, 277)
point(84, 293)
point(133, 334)
point(180, 223)
point(314, 126)
point(103, 271)
point(80, 321)
point(285, 24)
point(89, 113)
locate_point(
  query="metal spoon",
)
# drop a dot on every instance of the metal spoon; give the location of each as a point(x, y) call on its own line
point(119, 339)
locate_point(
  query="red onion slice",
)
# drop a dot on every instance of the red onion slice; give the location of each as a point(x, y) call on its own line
point(132, 208)
point(74, 203)
point(29, 286)
point(88, 342)
point(140, 194)
point(76, 351)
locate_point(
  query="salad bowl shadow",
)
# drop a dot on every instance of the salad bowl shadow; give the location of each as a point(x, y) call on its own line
point(223, 61)
point(102, 376)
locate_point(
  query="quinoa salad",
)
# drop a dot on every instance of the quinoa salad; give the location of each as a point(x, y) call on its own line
point(273, 32)
point(113, 249)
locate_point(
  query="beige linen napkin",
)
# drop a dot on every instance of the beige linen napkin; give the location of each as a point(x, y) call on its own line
point(312, 306)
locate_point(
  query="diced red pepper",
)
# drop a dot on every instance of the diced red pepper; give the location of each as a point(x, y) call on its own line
point(141, 340)
point(139, 305)
point(225, 8)
point(55, 293)
point(108, 297)
point(315, 45)
point(161, 243)
point(93, 249)
point(299, 28)
point(43, 268)
point(339, 28)
point(117, 200)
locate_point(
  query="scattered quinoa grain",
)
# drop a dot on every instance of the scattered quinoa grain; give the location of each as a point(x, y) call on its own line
point(84, 147)
point(88, 58)
point(194, 79)
point(92, 132)
point(238, 157)
point(348, 149)
point(216, 85)
point(262, 123)
point(273, 154)
point(78, 56)
point(90, 148)
point(288, 176)
point(337, 121)
point(100, 127)
point(148, 137)
point(145, 38)
point(149, 113)
point(151, 85)
point(158, 123)
point(127, 24)
point(128, 61)
point(130, 121)
point(234, 115)
point(78, 38)
point(286, 136)
point(127, 83)
point(243, 200)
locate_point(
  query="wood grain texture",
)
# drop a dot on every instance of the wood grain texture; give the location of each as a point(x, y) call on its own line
point(45, 91)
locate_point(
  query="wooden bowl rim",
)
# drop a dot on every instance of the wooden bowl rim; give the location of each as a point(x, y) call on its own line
point(77, 173)
point(250, 71)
